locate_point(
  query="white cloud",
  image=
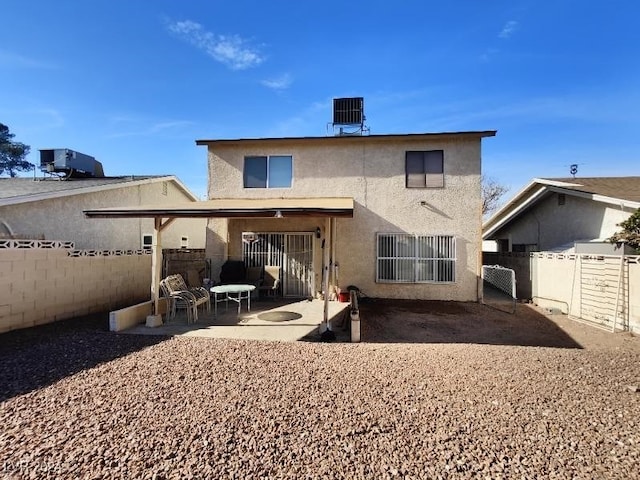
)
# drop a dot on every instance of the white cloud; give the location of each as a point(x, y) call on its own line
point(488, 54)
point(13, 60)
point(508, 29)
point(280, 83)
point(232, 51)
point(138, 127)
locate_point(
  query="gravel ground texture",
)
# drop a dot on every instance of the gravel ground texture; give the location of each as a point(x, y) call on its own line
point(79, 402)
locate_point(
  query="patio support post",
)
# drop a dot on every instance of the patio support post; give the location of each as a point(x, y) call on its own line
point(156, 260)
point(325, 277)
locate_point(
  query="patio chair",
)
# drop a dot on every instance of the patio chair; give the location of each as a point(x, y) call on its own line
point(270, 281)
point(254, 277)
point(179, 300)
point(182, 296)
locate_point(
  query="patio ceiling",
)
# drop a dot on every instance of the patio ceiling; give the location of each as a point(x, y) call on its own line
point(235, 208)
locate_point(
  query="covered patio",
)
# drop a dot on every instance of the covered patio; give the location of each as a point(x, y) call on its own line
point(324, 209)
point(282, 320)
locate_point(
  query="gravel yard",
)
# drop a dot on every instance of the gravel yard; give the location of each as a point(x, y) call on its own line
point(477, 394)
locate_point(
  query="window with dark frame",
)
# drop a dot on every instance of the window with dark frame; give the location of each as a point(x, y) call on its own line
point(424, 169)
point(274, 171)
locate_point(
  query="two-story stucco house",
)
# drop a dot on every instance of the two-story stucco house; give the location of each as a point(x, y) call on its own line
point(398, 216)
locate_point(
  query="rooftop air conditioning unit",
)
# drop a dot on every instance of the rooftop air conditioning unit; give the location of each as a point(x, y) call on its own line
point(69, 163)
point(348, 111)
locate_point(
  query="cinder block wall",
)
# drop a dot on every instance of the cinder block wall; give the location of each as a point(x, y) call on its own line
point(39, 285)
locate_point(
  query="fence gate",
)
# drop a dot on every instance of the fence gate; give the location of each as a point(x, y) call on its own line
point(499, 287)
point(601, 292)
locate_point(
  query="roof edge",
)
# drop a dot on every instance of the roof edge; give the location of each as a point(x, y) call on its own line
point(471, 133)
point(37, 197)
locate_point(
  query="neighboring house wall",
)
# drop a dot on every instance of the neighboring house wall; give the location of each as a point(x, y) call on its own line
point(63, 219)
point(373, 173)
point(44, 285)
point(549, 224)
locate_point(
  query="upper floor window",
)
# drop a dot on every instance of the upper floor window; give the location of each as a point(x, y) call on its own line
point(274, 171)
point(425, 169)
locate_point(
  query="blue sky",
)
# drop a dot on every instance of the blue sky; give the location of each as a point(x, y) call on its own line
point(135, 83)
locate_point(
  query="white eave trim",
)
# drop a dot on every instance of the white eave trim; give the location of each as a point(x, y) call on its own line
point(36, 197)
point(507, 217)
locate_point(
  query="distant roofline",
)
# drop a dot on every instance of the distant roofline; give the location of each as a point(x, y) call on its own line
point(142, 180)
point(476, 134)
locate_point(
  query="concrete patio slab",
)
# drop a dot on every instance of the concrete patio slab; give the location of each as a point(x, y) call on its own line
point(281, 320)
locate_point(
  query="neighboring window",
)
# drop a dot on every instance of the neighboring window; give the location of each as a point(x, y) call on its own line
point(184, 242)
point(147, 240)
point(524, 247)
point(425, 169)
point(274, 171)
point(411, 258)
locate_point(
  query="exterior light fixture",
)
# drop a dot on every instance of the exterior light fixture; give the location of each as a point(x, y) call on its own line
point(278, 214)
point(318, 232)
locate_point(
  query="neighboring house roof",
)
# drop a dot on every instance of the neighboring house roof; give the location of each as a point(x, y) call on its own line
point(621, 191)
point(353, 138)
point(24, 189)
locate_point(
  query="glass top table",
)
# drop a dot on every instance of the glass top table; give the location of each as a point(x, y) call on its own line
point(234, 292)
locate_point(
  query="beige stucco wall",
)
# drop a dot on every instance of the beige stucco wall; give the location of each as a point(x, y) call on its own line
point(62, 218)
point(40, 286)
point(372, 171)
point(549, 225)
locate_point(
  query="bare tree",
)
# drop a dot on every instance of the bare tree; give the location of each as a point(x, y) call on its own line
point(492, 192)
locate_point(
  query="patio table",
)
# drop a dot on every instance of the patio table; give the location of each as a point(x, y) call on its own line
point(234, 292)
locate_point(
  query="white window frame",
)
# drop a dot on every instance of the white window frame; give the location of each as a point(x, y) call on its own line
point(145, 245)
point(411, 254)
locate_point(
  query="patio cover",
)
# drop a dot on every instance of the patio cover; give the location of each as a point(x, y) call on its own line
point(329, 207)
point(235, 208)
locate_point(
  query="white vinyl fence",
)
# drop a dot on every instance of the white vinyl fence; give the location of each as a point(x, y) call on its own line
point(602, 290)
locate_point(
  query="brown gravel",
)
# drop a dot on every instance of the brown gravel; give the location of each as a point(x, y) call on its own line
point(79, 402)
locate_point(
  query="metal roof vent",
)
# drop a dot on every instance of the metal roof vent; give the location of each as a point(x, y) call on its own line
point(348, 116)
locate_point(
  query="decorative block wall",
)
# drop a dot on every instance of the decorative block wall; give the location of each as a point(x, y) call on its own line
point(46, 281)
